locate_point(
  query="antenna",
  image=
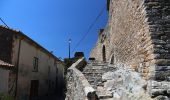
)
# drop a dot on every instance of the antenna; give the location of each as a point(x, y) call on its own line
point(4, 23)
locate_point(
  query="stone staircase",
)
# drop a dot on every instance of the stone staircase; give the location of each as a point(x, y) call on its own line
point(93, 73)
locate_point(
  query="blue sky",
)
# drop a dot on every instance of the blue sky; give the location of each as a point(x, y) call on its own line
point(52, 22)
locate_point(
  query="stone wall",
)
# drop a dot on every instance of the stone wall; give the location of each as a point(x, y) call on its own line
point(78, 88)
point(137, 35)
point(158, 13)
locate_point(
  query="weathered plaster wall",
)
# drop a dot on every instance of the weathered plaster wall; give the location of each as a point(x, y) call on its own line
point(4, 76)
point(60, 77)
point(46, 71)
point(50, 69)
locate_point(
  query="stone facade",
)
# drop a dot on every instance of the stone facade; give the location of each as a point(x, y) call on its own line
point(137, 35)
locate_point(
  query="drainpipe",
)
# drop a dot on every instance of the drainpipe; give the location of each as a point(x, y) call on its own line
point(17, 66)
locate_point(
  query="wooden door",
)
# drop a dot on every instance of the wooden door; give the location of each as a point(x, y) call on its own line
point(34, 89)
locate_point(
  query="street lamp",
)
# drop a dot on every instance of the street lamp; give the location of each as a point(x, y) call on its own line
point(69, 41)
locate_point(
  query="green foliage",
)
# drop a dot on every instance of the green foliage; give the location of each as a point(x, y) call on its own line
point(5, 97)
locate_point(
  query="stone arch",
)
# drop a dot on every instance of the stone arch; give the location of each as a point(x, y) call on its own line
point(104, 53)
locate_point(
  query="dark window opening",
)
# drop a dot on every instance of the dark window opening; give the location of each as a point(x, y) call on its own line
point(35, 64)
point(104, 53)
point(112, 59)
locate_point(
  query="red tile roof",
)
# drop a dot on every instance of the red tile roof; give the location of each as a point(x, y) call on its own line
point(5, 65)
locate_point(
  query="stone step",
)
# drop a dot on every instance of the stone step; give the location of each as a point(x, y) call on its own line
point(99, 64)
point(108, 99)
point(93, 72)
point(94, 78)
point(103, 93)
point(94, 68)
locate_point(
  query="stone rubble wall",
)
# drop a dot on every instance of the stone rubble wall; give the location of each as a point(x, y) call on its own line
point(158, 13)
point(125, 84)
point(78, 88)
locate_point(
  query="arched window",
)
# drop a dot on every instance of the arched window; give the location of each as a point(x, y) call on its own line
point(104, 53)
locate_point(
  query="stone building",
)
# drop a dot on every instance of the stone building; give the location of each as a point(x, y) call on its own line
point(138, 35)
point(37, 71)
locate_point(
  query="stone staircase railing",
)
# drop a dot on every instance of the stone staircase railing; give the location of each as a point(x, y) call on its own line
point(78, 88)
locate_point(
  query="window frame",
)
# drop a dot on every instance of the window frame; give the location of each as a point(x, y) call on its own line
point(35, 64)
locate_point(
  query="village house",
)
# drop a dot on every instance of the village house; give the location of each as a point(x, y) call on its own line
point(37, 72)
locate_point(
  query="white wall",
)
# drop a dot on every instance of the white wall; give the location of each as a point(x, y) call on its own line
point(26, 73)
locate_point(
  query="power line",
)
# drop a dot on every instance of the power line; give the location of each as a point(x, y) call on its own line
point(90, 27)
point(4, 22)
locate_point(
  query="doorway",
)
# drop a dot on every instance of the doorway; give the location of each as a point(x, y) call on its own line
point(34, 89)
point(104, 53)
point(112, 59)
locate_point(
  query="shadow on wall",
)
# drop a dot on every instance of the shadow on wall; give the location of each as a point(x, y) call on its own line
point(5, 97)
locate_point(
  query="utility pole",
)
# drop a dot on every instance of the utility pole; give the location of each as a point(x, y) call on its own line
point(69, 41)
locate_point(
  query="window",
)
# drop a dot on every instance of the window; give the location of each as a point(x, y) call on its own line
point(35, 64)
